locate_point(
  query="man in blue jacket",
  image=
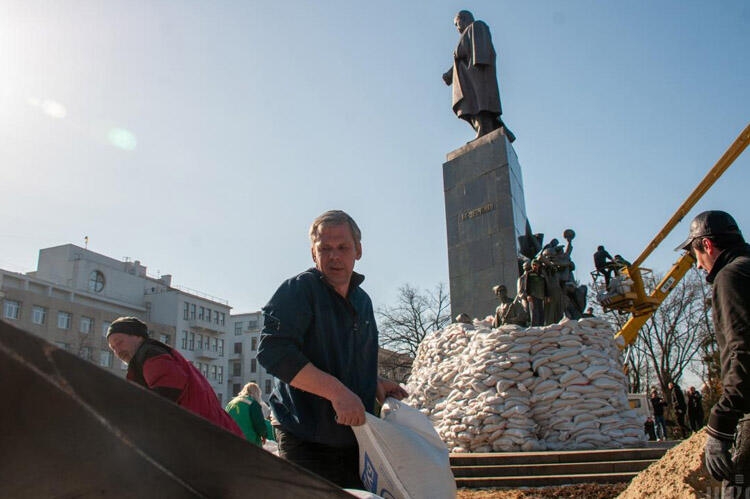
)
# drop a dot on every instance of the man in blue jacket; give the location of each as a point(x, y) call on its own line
point(320, 341)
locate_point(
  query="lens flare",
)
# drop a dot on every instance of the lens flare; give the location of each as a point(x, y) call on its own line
point(121, 138)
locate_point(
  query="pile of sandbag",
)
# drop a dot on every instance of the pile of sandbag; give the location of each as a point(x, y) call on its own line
point(559, 387)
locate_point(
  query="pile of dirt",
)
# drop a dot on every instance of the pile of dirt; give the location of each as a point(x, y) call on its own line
point(680, 473)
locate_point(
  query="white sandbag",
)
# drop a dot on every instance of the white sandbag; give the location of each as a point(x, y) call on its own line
point(401, 456)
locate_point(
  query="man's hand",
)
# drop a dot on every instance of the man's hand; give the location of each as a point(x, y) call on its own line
point(388, 388)
point(718, 460)
point(349, 408)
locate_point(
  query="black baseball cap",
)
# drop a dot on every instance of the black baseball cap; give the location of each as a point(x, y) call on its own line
point(710, 223)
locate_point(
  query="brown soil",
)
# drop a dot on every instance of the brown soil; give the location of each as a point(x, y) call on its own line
point(583, 490)
point(680, 473)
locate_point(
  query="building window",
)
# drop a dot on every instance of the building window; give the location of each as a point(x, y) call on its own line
point(192, 311)
point(206, 346)
point(64, 319)
point(38, 315)
point(105, 358)
point(238, 328)
point(200, 342)
point(184, 340)
point(221, 348)
point(105, 328)
point(253, 323)
point(208, 315)
point(96, 282)
point(62, 345)
point(221, 374)
point(192, 341)
point(216, 316)
point(85, 353)
point(238, 348)
point(268, 386)
point(223, 318)
point(253, 365)
point(12, 310)
point(236, 387)
point(254, 343)
point(201, 313)
point(204, 370)
point(236, 369)
point(186, 311)
point(214, 345)
point(213, 372)
point(86, 325)
point(164, 338)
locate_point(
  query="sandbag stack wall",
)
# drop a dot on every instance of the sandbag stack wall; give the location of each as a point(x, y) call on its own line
point(559, 387)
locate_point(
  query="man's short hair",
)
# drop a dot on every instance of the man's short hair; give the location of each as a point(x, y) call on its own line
point(334, 217)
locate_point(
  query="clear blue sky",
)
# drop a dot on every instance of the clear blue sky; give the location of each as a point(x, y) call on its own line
point(242, 121)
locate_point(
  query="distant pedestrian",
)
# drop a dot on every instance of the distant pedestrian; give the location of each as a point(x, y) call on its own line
point(680, 408)
point(657, 403)
point(247, 412)
point(695, 409)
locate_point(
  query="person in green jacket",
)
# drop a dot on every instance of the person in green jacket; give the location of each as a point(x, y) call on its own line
point(245, 409)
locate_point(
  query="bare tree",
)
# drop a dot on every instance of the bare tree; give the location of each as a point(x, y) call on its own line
point(416, 314)
point(673, 337)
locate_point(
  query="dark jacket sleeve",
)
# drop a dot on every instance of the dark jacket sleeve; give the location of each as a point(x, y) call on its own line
point(286, 319)
point(732, 304)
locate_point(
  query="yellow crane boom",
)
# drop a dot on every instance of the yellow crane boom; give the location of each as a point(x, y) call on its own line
point(633, 298)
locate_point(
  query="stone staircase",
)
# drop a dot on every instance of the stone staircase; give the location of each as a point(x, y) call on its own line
point(542, 469)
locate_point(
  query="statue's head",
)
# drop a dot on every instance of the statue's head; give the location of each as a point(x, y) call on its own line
point(462, 20)
point(500, 290)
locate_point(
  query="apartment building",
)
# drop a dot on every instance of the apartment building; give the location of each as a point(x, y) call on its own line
point(243, 363)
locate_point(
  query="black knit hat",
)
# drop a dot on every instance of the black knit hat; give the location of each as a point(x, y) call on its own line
point(128, 325)
point(710, 223)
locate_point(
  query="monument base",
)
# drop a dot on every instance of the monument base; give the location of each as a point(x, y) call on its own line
point(485, 214)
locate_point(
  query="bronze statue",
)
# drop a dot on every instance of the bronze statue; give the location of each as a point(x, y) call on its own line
point(510, 310)
point(476, 96)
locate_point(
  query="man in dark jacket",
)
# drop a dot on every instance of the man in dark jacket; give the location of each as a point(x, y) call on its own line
point(320, 341)
point(695, 409)
point(600, 262)
point(717, 244)
point(680, 407)
point(657, 404)
point(161, 369)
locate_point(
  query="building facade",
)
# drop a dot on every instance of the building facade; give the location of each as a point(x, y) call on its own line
point(243, 362)
point(75, 293)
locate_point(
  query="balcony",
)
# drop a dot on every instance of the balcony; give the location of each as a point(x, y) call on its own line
point(206, 353)
point(200, 325)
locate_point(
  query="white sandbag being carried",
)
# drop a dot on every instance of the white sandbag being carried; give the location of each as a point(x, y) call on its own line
point(402, 456)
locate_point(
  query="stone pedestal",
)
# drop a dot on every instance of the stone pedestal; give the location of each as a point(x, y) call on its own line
point(485, 213)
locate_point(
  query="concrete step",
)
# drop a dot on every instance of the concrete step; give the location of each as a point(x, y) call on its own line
point(502, 458)
point(599, 467)
point(542, 481)
point(542, 469)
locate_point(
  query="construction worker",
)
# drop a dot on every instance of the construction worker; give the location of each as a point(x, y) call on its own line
point(717, 244)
